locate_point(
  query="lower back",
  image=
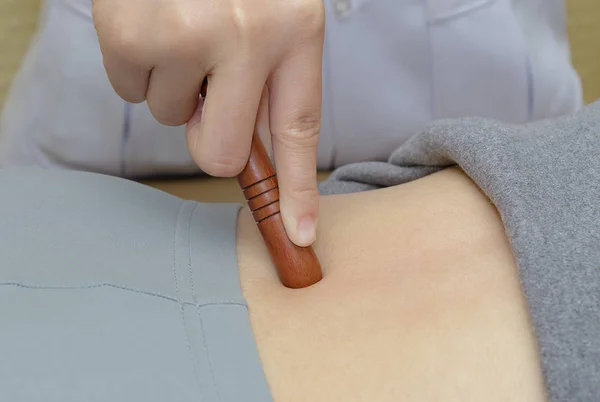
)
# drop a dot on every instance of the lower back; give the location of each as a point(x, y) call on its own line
point(420, 302)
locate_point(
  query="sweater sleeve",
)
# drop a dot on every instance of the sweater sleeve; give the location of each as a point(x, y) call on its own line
point(544, 179)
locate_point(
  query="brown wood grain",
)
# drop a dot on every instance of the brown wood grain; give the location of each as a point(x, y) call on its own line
point(297, 267)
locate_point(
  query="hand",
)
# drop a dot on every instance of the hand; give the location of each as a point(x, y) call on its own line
point(161, 50)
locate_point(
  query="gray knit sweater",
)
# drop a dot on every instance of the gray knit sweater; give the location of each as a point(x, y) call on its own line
point(544, 179)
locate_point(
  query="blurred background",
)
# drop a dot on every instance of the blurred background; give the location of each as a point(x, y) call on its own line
point(18, 20)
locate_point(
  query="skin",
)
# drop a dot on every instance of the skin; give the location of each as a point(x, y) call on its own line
point(259, 54)
point(421, 301)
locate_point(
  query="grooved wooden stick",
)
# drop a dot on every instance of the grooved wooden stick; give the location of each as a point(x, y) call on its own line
point(297, 267)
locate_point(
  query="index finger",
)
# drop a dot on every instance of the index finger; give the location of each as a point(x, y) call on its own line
point(219, 142)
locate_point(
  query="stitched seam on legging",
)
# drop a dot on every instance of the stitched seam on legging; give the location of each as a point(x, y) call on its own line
point(182, 311)
point(190, 270)
point(191, 274)
point(118, 287)
point(208, 359)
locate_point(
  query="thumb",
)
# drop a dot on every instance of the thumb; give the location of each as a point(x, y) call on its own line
point(295, 122)
point(294, 146)
point(299, 198)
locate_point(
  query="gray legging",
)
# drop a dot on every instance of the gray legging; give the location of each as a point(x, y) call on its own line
point(113, 291)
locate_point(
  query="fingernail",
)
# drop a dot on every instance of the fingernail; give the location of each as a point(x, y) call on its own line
point(306, 231)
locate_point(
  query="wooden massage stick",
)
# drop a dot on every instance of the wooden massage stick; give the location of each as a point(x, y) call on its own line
point(297, 267)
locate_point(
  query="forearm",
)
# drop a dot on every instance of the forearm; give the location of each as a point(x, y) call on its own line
point(420, 301)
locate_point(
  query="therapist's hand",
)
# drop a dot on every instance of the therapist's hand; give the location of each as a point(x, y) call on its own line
point(161, 50)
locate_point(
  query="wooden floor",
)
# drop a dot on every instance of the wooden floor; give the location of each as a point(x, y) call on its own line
point(17, 24)
point(584, 33)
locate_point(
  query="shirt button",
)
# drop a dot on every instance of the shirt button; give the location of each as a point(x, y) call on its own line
point(342, 8)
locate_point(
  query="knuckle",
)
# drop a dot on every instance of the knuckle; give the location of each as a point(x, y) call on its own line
point(184, 32)
point(310, 15)
point(122, 86)
point(124, 42)
point(166, 118)
point(239, 18)
point(170, 113)
point(129, 95)
point(220, 165)
point(304, 193)
point(247, 25)
point(301, 131)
